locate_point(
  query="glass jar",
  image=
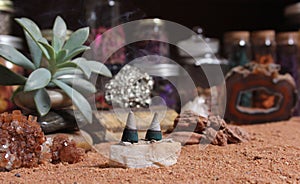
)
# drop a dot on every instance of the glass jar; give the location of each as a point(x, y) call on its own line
point(237, 48)
point(201, 60)
point(102, 15)
point(6, 92)
point(292, 16)
point(264, 52)
point(288, 56)
point(200, 48)
point(287, 53)
point(149, 31)
point(6, 10)
point(264, 46)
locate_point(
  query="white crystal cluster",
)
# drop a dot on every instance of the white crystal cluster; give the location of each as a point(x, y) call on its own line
point(129, 88)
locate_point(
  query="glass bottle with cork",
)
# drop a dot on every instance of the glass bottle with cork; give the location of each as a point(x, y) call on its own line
point(264, 46)
point(237, 48)
point(288, 56)
point(264, 53)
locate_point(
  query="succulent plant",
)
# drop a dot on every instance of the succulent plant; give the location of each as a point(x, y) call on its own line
point(51, 61)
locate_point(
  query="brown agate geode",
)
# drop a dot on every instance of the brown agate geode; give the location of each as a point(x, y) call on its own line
point(272, 96)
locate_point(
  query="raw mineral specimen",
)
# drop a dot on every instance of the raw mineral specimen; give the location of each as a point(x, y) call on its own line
point(21, 140)
point(272, 96)
point(145, 154)
point(190, 128)
point(64, 150)
point(129, 88)
point(23, 144)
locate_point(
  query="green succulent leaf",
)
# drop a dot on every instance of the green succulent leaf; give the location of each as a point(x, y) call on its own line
point(34, 49)
point(10, 78)
point(79, 100)
point(60, 56)
point(35, 33)
point(81, 85)
point(59, 33)
point(75, 52)
point(77, 39)
point(48, 50)
point(29, 26)
point(38, 79)
point(82, 64)
point(99, 68)
point(67, 71)
point(42, 101)
point(66, 65)
point(13, 55)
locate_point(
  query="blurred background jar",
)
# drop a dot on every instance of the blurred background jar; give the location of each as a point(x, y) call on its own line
point(150, 31)
point(264, 46)
point(237, 48)
point(154, 42)
point(101, 15)
point(201, 59)
point(6, 14)
point(264, 52)
point(292, 17)
point(288, 57)
point(288, 52)
point(6, 92)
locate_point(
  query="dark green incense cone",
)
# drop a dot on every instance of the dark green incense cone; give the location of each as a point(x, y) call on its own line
point(130, 136)
point(153, 135)
point(130, 133)
point(154, 131)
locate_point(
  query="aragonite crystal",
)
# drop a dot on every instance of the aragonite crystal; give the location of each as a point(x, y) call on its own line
point(20, 141)
point(23, 144)
point(64, 150)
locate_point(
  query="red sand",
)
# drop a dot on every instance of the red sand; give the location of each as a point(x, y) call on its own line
point(272, 156)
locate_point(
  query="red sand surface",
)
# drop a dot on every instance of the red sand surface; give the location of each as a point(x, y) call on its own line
point(271, 156)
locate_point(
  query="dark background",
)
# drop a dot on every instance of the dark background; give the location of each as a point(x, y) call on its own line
point(215, 16)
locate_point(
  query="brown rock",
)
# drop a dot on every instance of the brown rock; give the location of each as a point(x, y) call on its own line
point(64, 150)
point(236, 134)
point(216, 122)
point(190, 128)
point(82, 139)
point(220, 139)
point(191, 122)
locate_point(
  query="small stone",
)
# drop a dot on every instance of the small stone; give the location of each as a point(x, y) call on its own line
point(65, 150)
point(190, 121)
point(82, 139)
point(220, 139)
point(236, 135)
point(145, 154)
point(18, 175)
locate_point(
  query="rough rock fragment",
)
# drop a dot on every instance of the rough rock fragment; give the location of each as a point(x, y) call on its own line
point(190, 121)
point(190, 128)
point(23, 143)
point(65, 150)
